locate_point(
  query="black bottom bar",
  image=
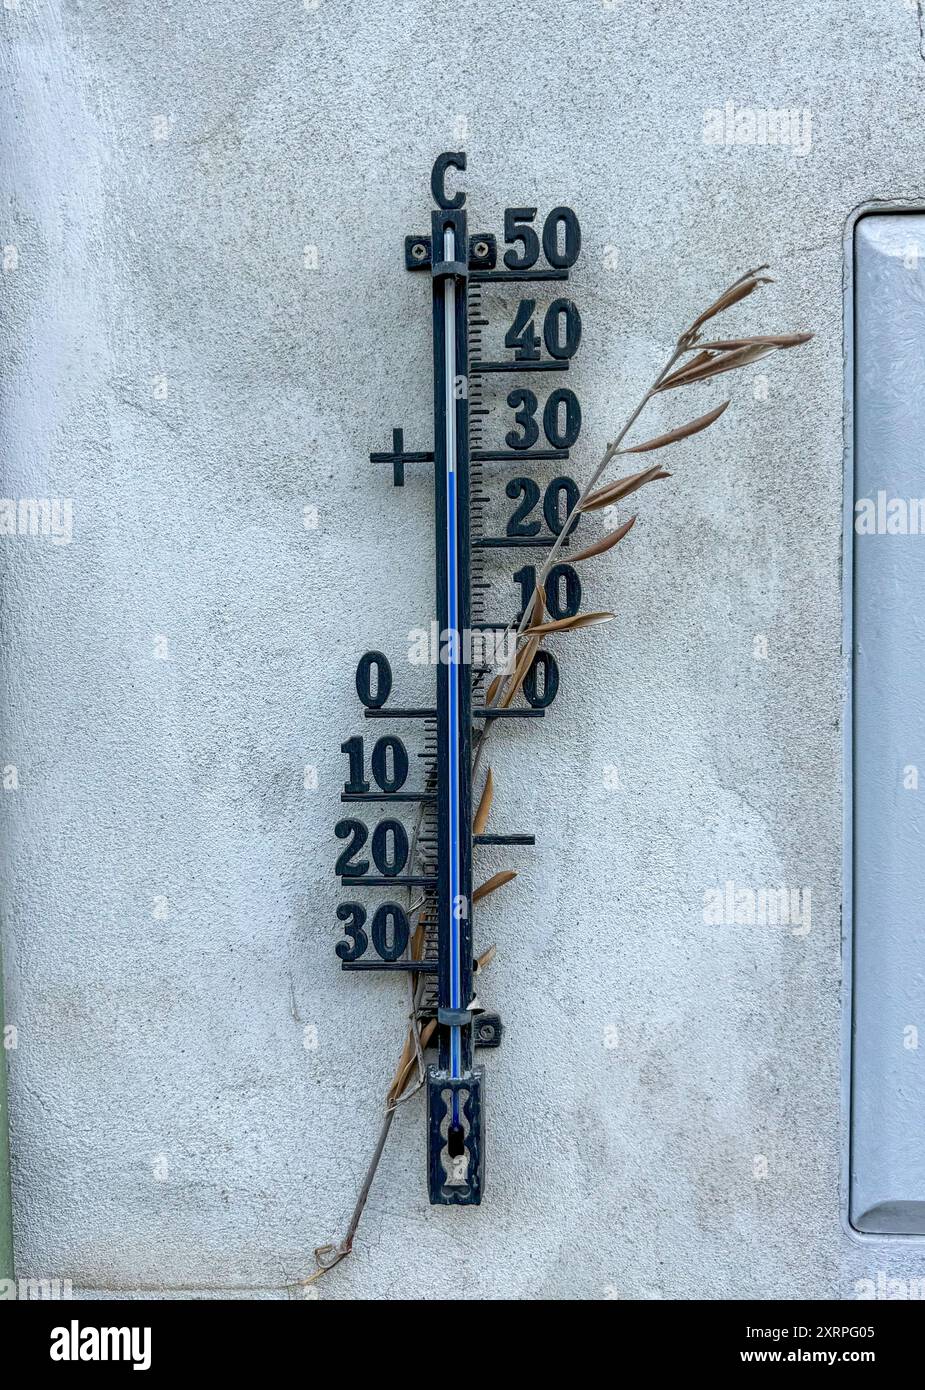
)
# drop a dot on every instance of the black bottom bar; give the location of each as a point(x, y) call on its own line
point(515, 542)
point(423, 967)
point(388, 796)
point(557, 365)
point(394, 881)
point(482, 277)
point(479, 712)
point(484, 712)
point(517, 455)
point(717, 1322)
point(504, 839)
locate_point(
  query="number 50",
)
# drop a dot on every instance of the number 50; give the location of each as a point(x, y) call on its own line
point(517, 228)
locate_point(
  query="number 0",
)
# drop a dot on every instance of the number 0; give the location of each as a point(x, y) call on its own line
point(564, 436)
point(563, 217)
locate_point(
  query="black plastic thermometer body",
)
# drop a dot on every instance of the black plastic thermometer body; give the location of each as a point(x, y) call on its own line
point(441, 847)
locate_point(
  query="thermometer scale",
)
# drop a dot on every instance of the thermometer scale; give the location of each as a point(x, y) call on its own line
point(432, 936)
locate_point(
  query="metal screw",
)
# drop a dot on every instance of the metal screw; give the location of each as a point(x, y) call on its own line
point(480, 249)
point(419, 251)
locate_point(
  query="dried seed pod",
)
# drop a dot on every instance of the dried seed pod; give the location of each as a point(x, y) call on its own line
point(740, 289)
point(571, 624)
point(524, 662)
point(775, 340)
point(716, 364)
point(613, 492)
point(682, 432)
point(496, 881)
point(605, 543)
point(481, 816)
point(486, 957)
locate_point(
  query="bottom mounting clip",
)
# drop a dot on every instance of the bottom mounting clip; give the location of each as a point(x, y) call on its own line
point(454, 1137)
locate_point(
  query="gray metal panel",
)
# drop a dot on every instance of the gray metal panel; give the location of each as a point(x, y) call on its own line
point(887, 1184)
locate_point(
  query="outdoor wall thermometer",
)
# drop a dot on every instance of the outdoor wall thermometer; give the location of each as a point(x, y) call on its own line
point(432, 937)
point(433, 933)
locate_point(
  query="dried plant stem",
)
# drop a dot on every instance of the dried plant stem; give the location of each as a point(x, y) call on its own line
point(327, 1256)
point(713, 359)
point(542, 573)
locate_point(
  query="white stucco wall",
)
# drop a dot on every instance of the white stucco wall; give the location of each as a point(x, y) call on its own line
point(172, 365)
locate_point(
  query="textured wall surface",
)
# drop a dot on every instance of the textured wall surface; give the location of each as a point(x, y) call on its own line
point(173, 364)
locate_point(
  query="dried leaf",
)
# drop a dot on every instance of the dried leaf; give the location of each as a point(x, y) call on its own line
point(485, 958)
point(719, 362)
point(496, 881)
point(613, 492)
point(527, 652)
point(739, 290)
point(570, 624)
point(749, 275)
point(682, 432)
point(481, 815)
point(605, 543)
point(404, 1073)
point(406, 1052)
point(524, 662)
point(697, 361)
point(776, 340)
point(418, 939)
